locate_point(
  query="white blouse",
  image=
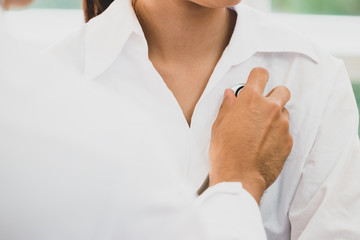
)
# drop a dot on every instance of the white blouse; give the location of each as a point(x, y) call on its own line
point(99, 95)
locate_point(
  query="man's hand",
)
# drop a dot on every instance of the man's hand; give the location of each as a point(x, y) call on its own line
point(250, 138)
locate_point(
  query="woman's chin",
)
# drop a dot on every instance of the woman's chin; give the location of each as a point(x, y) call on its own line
point(216, 3)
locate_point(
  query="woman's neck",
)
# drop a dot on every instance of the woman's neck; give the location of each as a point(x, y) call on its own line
point(181, 31)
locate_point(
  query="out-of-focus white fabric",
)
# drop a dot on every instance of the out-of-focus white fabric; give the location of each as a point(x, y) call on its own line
point(4, 44)
point(44, 27)
point(79, 161)
point(99, 94)
point(15, 54)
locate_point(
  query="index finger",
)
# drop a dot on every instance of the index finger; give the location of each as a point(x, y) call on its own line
point(258, 79)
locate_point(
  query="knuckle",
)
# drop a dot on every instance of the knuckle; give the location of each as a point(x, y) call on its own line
point(251, 91)
point(252, 95)
point(275, 107)
point(285, 124)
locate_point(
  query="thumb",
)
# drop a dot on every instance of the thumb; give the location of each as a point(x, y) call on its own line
point(229, 98)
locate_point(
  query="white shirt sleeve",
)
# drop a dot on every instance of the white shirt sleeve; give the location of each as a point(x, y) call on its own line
point(225, 218)
point(53, 191)
point(225, 211)
point(327, 202)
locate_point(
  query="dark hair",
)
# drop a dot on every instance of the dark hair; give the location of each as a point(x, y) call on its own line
point(92, 8)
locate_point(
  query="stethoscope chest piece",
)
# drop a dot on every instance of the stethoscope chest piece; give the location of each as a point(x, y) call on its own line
point(238, 88)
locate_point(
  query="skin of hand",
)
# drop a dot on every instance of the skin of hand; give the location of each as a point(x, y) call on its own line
point(250, 138)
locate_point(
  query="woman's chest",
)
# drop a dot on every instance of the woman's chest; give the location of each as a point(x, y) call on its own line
point(185, 82)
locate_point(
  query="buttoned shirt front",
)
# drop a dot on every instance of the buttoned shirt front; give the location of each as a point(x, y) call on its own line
point(316, 195)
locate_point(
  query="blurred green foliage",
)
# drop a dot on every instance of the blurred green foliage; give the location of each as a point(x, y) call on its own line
point(337, 7)
point(65, 4)
point(356, 88)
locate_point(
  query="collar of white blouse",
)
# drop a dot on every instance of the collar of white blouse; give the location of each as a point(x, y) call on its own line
point(107, 34)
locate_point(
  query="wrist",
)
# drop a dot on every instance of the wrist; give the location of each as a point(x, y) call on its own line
point(253, 183)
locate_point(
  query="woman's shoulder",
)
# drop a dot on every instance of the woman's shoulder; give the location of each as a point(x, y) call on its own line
point(274, 35)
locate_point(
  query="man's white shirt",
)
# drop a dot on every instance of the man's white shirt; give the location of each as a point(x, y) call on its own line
point(4, 43)
point(67, 173)
point(15, 53)
point(99, 93)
